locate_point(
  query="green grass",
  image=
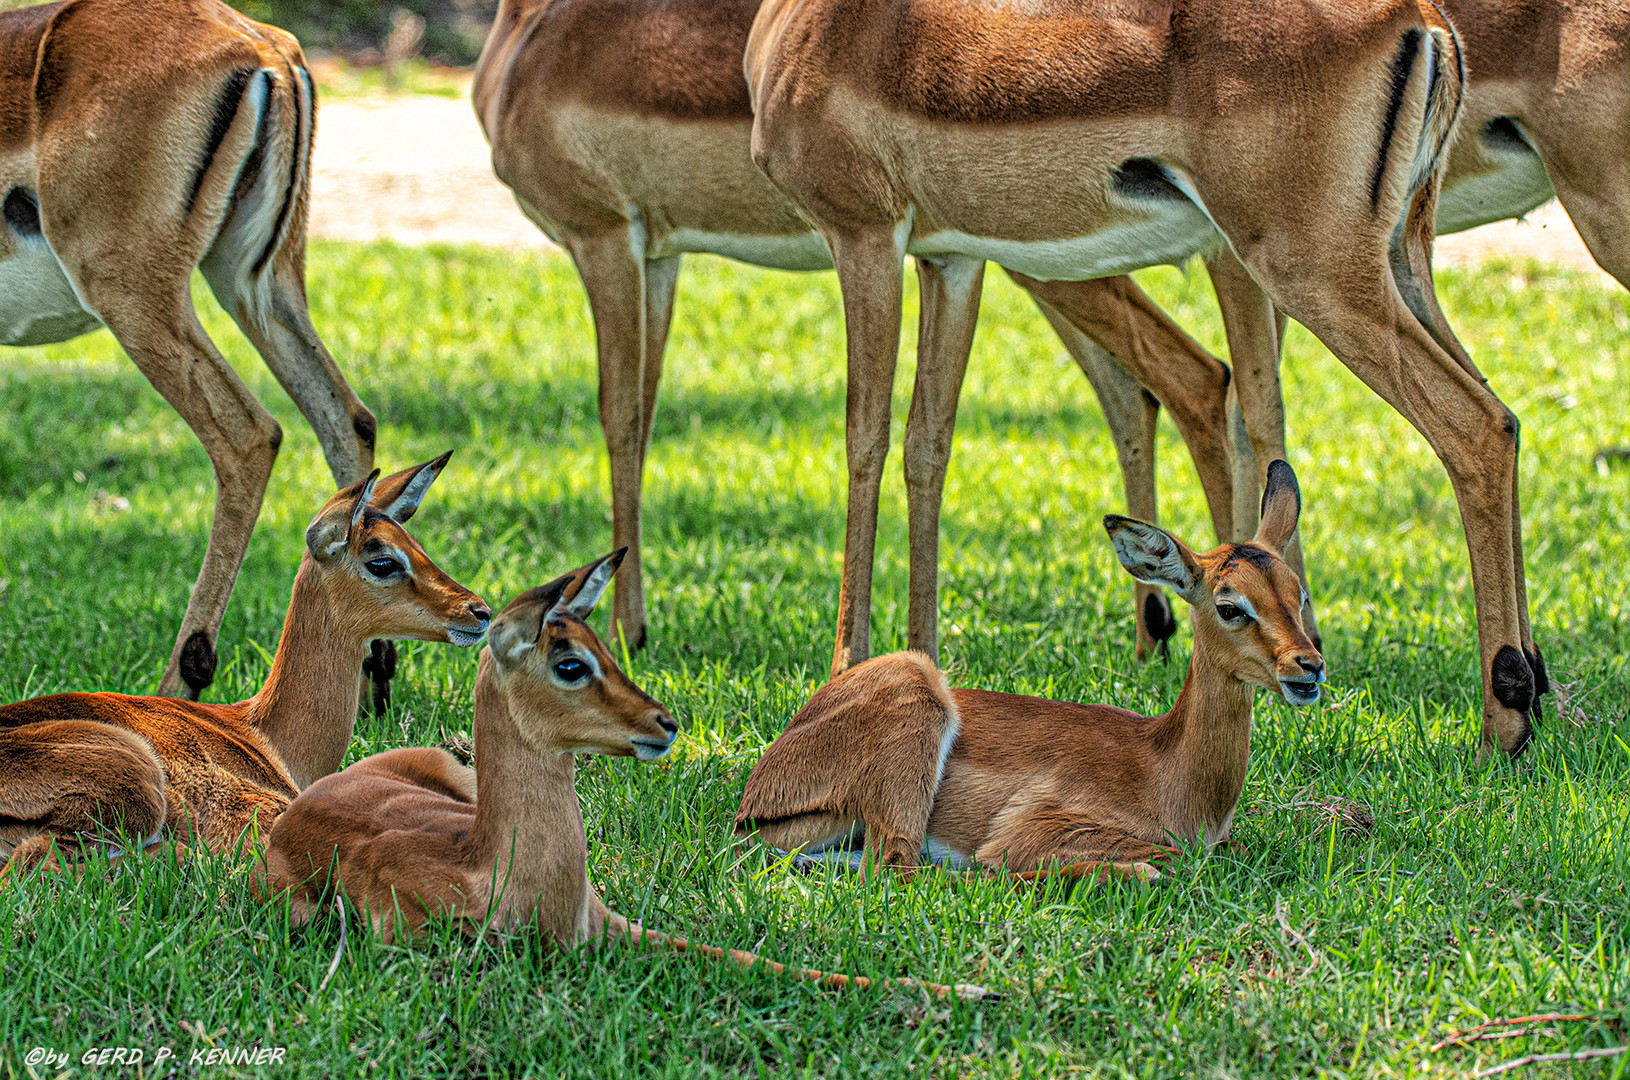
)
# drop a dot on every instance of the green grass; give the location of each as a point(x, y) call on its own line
point(1480, 893)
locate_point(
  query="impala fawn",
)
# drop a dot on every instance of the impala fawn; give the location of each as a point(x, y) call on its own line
point(404, 836)
point(74, 766)
point(888, 752)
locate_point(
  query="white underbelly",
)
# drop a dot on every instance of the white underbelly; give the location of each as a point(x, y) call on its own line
point(37, 304)
point(789, 252)
point(1170, 234)
point(1519, 185)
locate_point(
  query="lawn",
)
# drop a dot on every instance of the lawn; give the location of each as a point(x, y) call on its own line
point(1479, 892)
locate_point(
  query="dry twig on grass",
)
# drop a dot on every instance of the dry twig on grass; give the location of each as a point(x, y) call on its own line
point(334, 964)
point(1485, 1031)
point(1351, 817)
point(1536, 1059)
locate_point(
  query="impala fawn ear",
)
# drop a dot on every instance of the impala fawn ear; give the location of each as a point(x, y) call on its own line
point(1154, 556)
point(519, 627)
point(331, 529)
point(585, 585)
point(1281, 506)
point(398, 495)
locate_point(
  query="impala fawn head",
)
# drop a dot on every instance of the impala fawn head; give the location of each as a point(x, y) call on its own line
point(379, 575)
point(1245, 602)
point(565, 691)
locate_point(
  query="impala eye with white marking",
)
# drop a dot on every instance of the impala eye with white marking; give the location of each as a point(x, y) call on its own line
point(570, 670)
point(383, 567)
point(1232, 614)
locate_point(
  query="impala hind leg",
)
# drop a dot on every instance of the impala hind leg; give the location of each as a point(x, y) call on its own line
point(631, 299)
point(1190, 382)
point(949, 313)
point(1256, 419)
point(163, 337)
point(870, 266)
point(76, 781)
point(1034, 842)
point(1132, 414)
point(1385, 343)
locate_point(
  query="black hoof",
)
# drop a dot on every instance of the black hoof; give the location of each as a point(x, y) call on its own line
point(197, 663)
point(380, 669)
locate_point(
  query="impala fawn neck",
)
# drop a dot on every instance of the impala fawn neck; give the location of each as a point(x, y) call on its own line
point(308, 706)
point(1204, 744)
point(528, 838)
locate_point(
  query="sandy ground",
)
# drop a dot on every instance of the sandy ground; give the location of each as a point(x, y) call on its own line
point(416, 169)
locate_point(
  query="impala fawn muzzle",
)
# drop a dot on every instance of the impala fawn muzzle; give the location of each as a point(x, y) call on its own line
point(888, 752)
point(74, 767)
point(405, 836)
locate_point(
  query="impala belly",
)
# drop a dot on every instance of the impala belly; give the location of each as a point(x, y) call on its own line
point(38, 306)
point(1494, 175)
point(805, 251)
point(1169, 235)
point(686, 186)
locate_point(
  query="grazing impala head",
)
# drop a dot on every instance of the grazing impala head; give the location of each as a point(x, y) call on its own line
point(1245, 601)
point(379, 575)
point(565, 691)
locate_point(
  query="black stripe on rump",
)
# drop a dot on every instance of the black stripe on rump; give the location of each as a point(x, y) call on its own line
point(226, 109)
point(295, 153)
point(1402, 64)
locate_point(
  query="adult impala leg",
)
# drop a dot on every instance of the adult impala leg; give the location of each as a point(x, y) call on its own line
point(950, 311)
point(1190, 382)
point(870, 271)
point(613, 268)
point(1475, 436)
point(162, 335)
point(1132, 414)
point(1255, 332)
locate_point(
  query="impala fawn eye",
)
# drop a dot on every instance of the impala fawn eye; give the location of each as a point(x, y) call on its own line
point(1230, 612)
point(571, 670)
point(383, 568)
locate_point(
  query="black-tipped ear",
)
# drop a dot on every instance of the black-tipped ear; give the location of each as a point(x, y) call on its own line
point(1154, 556)
point(1281, 507)
point(587, 584)
point(360, 506)
point(399, 494)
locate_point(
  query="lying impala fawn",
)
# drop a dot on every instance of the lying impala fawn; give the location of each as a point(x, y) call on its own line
point(405, 836)
point(625, 132)
point(889, 754)
point(73, 767)
point(141, 140)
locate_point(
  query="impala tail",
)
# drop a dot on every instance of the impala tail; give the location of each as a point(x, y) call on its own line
point(253, 180)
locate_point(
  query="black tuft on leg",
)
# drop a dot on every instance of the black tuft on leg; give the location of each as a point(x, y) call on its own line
point(1158, 618)
point(1542, 681)
point(197, 663)
point(1513, 679)
point(380, 669)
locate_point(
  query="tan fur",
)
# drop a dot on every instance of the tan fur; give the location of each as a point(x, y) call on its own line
point(1559, 72)
point(411, 834)
point(73, 766)
point(1029, 783)
point(108, 116)
point(624, 128)
point(1352, 153)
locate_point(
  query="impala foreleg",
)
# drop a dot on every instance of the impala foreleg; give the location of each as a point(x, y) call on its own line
point(949, 313)
point(1132, 414)
point(1256, 399)
point(613, 269)
point(870, 267)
